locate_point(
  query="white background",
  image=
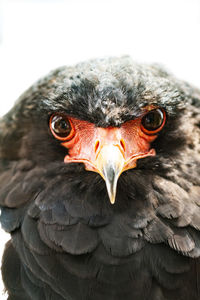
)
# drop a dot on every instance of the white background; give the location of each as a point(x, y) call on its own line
point(37, 36)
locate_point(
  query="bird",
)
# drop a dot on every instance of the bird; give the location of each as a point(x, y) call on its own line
point(100, 185)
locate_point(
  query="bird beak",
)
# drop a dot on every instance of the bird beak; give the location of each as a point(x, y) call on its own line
point(110, 163)
point(109, 152)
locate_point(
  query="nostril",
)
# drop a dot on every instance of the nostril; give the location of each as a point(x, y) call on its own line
point(96, 146)
point(122, 143)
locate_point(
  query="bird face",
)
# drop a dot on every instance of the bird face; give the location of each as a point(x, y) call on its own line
point(108, 151)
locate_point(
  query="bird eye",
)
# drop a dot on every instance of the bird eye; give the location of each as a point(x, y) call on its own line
point(61, 127)
point(153, 121)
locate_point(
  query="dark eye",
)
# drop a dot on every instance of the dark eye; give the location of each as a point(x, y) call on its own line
point(61, 127)
point(153, 121)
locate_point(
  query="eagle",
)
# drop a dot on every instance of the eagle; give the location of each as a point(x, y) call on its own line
point(100, 185)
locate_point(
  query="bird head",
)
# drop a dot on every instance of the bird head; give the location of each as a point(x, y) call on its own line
point(109, 115)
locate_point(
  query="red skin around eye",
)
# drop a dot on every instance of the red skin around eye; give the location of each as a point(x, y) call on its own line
point(88, 140)
point(154, 132)
point(68, 137)
point(85, 141)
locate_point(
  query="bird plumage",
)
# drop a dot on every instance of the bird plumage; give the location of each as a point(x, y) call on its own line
point(67, 240)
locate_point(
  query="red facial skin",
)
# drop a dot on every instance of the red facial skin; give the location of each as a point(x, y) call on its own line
point(86, 141)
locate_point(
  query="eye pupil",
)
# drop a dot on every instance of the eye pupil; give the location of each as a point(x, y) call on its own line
point(61, 126)
point(153, 120)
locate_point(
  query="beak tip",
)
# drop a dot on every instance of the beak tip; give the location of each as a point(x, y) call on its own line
point(112, 201)
point(111, 189)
